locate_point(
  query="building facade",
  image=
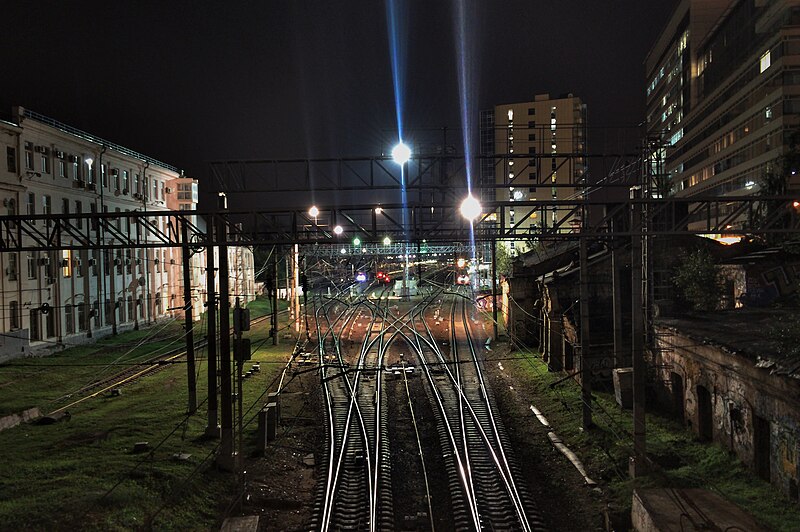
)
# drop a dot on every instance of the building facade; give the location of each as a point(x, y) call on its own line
point(529, 148)
point(723, 98)
point(62, 297)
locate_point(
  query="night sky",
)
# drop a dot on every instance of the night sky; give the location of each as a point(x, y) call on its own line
point(191, 82)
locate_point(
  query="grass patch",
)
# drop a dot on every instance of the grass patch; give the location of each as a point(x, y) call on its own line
point(83, 473)
point(681, 460)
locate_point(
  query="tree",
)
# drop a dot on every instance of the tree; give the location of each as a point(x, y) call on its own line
point(699, 280)
point(504, 260)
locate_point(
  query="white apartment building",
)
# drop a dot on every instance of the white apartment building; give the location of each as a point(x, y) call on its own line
point(552, 131)
point(64, 297)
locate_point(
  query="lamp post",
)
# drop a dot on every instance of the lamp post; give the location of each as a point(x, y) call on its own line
point(401, 154)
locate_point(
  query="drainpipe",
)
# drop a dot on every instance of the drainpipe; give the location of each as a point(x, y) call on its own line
point(147, 297)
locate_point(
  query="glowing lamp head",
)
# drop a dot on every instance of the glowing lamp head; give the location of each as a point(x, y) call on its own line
point(313, 211)
point(796, 204)
point(378, 210)
point(89, 161)
point(387, 241)
point(338, 230)
point(461, 263)
point(470, 208)
point(401, 154)
point(356, 241)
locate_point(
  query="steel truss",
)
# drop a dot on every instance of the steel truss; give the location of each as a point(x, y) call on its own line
point(435, 223)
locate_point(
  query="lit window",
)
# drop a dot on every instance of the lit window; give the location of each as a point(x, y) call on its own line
point(765, 62)
point(510, 115)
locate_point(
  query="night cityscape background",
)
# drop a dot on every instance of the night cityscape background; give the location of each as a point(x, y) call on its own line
point(400, 265)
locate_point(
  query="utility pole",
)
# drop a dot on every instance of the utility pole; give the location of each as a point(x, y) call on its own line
point(188, 321)
point(212, 429)
point(586, 370)
point(274, 296)
point(226, 458)
point(494, 287)
point(637, 338)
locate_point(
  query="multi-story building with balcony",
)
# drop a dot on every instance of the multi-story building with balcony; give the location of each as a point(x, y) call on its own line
point(537, 150)
point(61, 296)
point(723, 97)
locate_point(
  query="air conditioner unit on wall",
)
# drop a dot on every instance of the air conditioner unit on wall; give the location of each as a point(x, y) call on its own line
point(60, 154)
point(40, 149)
point(168, 190)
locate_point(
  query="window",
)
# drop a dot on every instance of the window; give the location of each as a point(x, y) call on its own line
point(62, 168)
point(93, 209)
point(31, 206)
point(531, 136)
point(50, 323)
point(136, 184)
point(69, 319)
point(765, 61)
point(45, 164)
point(531, 111)
point(47, 207)
point(161, 186)
point(94, 262)
point(11, 159)
point(115, 175)
point(79, 211)
point(66, 263)
point(36, 332)
point(28, 159)
point(65, 205)
point(82, 322)
point(109, 315)
point(76, 174)
point(11, 269)
point(13, 314)
point(118, 261)
point(96, 313)
point(131, 308)
point(33, 268)
point(103, 176)
point(155, 189)
point(128, 262)
point(125, 179)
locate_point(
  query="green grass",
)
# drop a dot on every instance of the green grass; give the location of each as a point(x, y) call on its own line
point(83, 474)
point(681, 461)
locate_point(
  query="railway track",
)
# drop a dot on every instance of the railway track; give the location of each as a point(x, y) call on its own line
point(134, 372)
point(482, 476)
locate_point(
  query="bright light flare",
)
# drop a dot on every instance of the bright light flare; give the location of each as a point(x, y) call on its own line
point(401, 153)
point(387, 241)
point(338, 230)
point(470, 208)
point(313, 211)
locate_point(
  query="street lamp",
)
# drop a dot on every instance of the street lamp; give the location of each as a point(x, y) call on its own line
point(313, 212)
point(470, 208)
point(387, 241)
point(401, 153)
point(338, 230)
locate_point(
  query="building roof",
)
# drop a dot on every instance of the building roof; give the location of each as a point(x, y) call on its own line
point(753, 333)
